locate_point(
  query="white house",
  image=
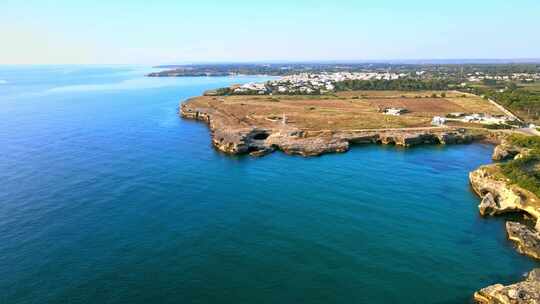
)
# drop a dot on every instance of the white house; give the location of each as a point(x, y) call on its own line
point(438, 121)
point(395, 111)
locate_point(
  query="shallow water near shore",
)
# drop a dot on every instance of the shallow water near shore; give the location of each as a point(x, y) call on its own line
point(107, 196)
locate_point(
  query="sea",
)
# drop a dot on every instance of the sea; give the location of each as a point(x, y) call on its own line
point(108, 196)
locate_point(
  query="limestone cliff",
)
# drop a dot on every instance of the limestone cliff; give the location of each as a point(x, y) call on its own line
point(234, 136)
point(506, 151)
point(499, 196)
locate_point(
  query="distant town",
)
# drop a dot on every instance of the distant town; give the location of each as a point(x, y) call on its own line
point(309, 83)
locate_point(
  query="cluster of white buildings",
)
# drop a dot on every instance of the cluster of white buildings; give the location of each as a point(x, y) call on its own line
point(259, 88)
point(485, 119)
point(478, 76)
point(309, 83)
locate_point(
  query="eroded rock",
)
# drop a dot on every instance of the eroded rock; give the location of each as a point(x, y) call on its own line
point(527, 239)
point(489, 205)
point(526, 292)
point(498, 196)
point(505, 151)
point(505, 197)
point(234, 135)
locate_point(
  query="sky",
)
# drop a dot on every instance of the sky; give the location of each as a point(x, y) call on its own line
point(163, 31)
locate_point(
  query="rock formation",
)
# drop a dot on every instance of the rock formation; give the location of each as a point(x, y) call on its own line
point(498, 196)
point(505, 151)
point(527, 239)
point(233, 136)
point(526, 292)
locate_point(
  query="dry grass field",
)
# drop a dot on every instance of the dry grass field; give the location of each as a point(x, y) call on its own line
point(352, 110)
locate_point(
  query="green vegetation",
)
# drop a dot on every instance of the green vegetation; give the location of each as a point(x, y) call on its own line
point(524, 171)
point(525, 101)
point(523, 141)
point(404, 84)
point(223, 91)
point(452, 71)
point(498, 127)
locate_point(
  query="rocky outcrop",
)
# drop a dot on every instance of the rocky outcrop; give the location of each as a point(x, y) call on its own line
point(527, 239)
point(231, 135)
point(526, 292)
point(507, 151)
point(499, 196)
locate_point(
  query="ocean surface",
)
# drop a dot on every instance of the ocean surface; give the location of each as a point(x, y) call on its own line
point(107, 196)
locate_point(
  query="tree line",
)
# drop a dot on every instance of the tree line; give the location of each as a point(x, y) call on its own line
point(395, 85)
point(514, 98)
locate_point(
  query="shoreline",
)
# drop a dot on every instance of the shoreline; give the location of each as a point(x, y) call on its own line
point(498, 197)
point(233, 136)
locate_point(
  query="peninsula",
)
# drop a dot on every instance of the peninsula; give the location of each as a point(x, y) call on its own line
point(311, 125)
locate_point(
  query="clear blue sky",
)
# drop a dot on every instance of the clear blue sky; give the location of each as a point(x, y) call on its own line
point(152, 32)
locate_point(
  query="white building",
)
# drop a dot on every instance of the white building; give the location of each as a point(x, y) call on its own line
point(395, 111)
point(438, 121)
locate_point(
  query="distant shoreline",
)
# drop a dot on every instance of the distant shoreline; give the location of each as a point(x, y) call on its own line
point(373, 61)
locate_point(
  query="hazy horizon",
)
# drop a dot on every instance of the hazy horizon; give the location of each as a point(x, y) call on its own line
point(207, 31)
point(426, 61)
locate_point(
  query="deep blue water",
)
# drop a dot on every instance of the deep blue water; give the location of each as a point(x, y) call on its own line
point(107, 196)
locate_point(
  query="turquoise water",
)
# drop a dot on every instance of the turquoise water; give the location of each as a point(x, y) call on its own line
point(106, 196)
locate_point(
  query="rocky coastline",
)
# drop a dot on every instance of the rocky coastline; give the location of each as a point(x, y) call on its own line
point(234, 135)
point(500, 196)
point(231, 136)
point(525, 292)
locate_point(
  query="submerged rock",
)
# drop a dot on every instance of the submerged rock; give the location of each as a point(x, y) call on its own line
point(526, 292)
point(527, 239)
